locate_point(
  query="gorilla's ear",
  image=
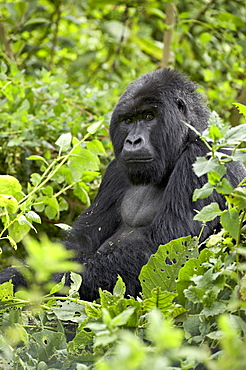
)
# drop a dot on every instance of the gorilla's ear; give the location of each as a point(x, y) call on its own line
point(181, 105)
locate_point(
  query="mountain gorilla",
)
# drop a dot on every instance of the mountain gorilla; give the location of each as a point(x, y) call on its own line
point(145, 198)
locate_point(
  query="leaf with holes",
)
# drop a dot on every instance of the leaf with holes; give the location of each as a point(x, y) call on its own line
point(192, 267)
point(163, 267)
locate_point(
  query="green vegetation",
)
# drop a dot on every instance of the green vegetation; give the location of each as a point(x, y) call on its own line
point(63, 66)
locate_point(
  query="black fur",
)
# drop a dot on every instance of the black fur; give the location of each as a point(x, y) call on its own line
point(145, 198)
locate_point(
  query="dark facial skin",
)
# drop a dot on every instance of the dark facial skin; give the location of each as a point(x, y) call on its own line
point(137, 146)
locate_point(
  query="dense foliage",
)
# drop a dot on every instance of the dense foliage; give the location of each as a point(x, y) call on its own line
point(63, 66)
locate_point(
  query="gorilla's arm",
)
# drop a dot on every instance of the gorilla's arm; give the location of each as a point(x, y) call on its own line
point(93, 227)
point(177, 210)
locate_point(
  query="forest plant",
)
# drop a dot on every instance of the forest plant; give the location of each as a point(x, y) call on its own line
point(187, 309)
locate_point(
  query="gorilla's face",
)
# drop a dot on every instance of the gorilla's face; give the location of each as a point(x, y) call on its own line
point(147, 125)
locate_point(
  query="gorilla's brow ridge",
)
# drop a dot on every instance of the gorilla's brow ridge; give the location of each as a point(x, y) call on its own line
point(137, 109)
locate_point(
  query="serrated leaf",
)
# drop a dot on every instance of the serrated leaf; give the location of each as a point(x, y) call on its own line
point(241, 108)
point(191, 267)
point(208, 213)
point(163, 266)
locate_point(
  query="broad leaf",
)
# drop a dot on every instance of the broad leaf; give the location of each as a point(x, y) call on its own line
point(208, 213)
point(192, 267)
point(230, 221)
point(163, 267)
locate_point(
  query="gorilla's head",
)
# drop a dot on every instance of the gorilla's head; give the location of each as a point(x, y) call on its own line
point(147, 126)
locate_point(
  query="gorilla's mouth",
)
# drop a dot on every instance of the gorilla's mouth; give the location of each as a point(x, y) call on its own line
point(139, 160)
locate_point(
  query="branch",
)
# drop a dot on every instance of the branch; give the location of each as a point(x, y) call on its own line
point(54, 42)
point(6, 41)
point(168, 34)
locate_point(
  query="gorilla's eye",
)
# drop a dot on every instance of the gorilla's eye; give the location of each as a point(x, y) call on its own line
point(128, 120)
point(181, 105)
point(149, 116)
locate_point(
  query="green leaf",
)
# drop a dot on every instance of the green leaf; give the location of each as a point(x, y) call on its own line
point(76, 281)
point(161, 300)
point(36, 20)
point(6, 291)
point(96, 147)
point(64, 141)
point(192, 267)
point(46, 343)
point(22, 220)
point(123, 317)
point(241, 108)
point(224, 187)
point(215, 133)
point(162, 334)
point(203, 192)
point(81, 160)
point(37, 158)
point(69, 311)
point(235, 135)
point(92, 129)
point(9, 202)
point(119, 288)
point(231, 222)
point(215, 309)
point(205, 37)
point(57, 287)
point(18, 231)
point(203, 166)
point(47, 258)
point(239, 156)
point(33, 216)
point(208, 213)
point(9, 185)
point(238, 198)
point(215, 175)
point(163, 266)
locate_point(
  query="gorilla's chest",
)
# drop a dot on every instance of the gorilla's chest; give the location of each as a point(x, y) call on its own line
point(140, 205)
